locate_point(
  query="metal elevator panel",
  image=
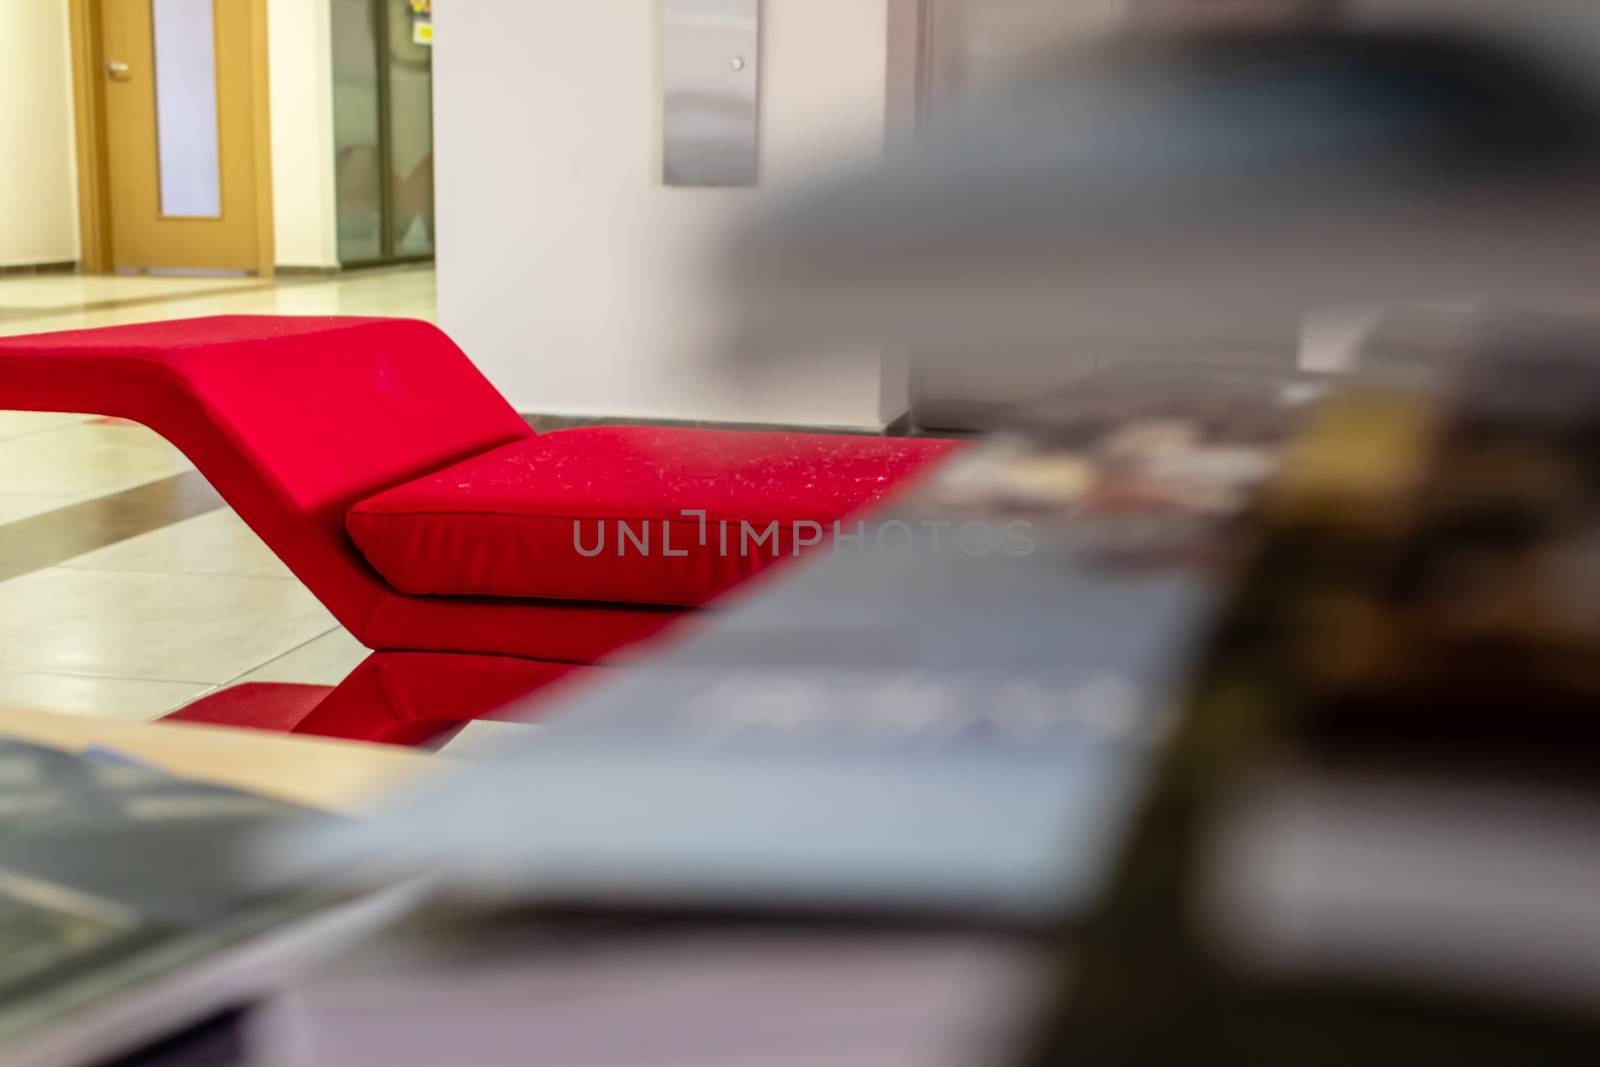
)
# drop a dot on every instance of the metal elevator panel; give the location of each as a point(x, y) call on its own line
point(710, 91)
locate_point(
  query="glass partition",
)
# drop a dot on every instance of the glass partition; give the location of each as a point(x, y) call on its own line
point(383, 130)
point(410, 132)
point(186, 108)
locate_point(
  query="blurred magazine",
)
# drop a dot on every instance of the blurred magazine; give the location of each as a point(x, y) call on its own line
point(122, 917)
point(1373, 839)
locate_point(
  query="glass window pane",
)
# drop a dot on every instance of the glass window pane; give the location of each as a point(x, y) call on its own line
point(410, 132)
point(186, 108)
point(357, 156)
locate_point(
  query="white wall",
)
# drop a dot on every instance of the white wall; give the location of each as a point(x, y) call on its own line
point(301, 76)
point(565, 268)
point(38, 180)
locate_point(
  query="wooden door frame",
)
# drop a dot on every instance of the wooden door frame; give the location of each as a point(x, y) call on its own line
point(89, 128)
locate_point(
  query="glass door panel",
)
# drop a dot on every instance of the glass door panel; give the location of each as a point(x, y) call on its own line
point(383, 129)
point(186, 108)
point(357, 148)
point(410, 133)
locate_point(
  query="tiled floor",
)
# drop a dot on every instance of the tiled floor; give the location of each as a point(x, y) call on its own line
point(30, 304)
point(171, 595)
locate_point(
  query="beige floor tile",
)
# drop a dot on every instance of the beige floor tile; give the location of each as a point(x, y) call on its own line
point(405, 293)
point(483, 737)
point(21, 423)
point(173, 627)
point(48, 323)
point(114, 698)
point(86, 459)
point(214, 543)
point(58, 291)
point(327, 660)
point(16, 506)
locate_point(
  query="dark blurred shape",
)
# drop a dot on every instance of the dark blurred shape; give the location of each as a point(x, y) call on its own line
point(1264, 14)
point(1377, 834)
point(1482, 588)
point(1195, 192)
point(124, 915)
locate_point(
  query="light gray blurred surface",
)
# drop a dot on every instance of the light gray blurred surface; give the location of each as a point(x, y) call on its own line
point(1082, 218)
point(705, 996)
point(904, 732)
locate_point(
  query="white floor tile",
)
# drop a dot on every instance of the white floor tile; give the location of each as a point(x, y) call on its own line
point(86, 459)
point(327, 660)
point(16, 506)
point(215, 543)
point(62, 291)
point(112, 698)
point(71, 300)
point(21, 423)
point(174, 627)
point(482, 737)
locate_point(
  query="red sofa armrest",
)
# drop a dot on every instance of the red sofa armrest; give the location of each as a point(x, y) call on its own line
point(292, 419)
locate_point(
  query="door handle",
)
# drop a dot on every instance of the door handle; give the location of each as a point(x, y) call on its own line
point(117, 72)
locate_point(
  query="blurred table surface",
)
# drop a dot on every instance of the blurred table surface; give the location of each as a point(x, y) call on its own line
point(341, 776)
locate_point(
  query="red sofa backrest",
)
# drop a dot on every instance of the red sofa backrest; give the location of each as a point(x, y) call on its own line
point(291, 419)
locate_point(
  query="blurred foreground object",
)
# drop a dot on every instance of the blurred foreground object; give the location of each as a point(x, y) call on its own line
point(832, 826)
point(1195, 193)
point(124, 917)
point(1277, 748)
point(1377, 835)
point(616, 993)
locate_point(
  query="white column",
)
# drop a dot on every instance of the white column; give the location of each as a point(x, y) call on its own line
point(566, 269)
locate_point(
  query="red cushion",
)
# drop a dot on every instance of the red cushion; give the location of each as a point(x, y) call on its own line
point(414, 698)
point(294, 420)
point(599, 513)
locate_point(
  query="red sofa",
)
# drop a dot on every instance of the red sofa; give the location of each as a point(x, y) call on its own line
point(407, 494)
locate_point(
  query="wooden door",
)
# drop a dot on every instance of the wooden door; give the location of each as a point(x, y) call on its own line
point(180, 137)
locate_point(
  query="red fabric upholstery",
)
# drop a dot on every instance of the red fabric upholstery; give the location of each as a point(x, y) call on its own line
point(294, 420)
point(396, 698)
point(275, 706)
point(598, 514)
point(414, 698)
point(533, 629)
